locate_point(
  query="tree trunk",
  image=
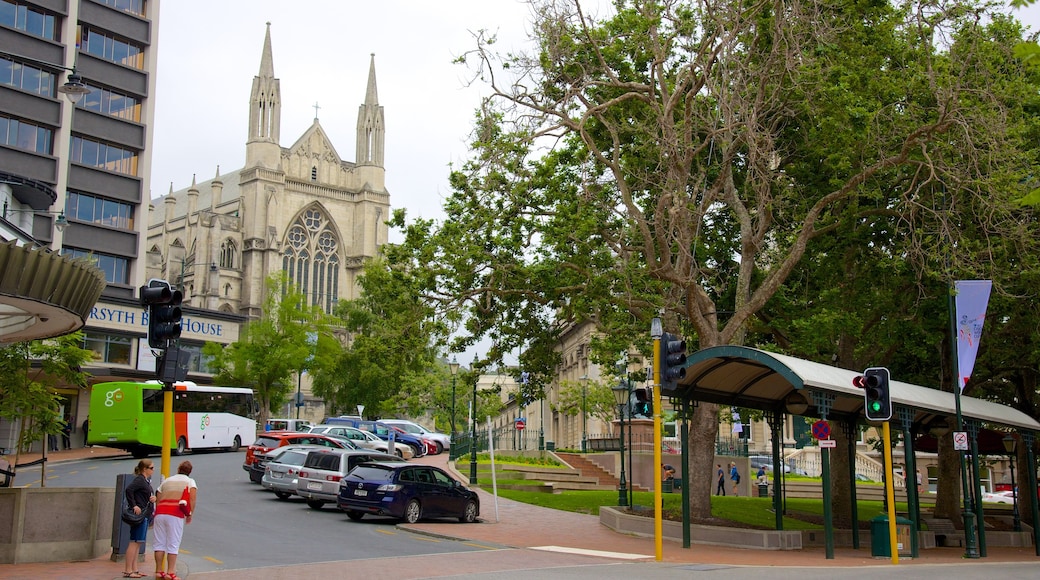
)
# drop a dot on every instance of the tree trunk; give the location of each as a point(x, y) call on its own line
point(704, 430)
point(841, 488)
point(948, 486)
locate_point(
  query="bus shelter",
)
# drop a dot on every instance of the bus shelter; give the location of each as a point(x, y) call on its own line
point(780, 385)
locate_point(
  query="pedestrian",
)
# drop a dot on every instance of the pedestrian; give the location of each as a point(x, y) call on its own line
point(66, 435)
point(919, 488)
point(86, 423)
point(52, 442)
point(140, 498)
point(734, 476)
point(668, 471)
point(170, 517)
point(761, 475)
point(720, 489)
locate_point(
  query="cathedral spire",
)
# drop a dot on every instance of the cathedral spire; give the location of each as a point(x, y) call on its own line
point(265, 112)
point(370, 128)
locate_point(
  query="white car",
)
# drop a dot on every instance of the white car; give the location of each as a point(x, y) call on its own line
point(362, 439)
point(999, 497)
point(442, 440)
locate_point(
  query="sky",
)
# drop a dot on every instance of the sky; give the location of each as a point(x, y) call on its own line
point(209, 52)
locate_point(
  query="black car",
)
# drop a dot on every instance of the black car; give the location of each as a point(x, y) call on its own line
point(406, 491)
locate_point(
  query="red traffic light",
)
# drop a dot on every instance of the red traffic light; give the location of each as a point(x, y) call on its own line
point(859, 381)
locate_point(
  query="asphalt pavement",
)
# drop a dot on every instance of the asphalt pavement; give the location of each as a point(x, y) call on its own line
point(521, 537)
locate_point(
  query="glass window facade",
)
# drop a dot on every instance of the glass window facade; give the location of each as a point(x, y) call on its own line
point(131, 6)
point(28, 136)
point(28, 19)
point(109, 348)
point(27, 77)
point(112, 103)
point(98, 210)
point(111, 48)
point(116, 268)
point(104, 155)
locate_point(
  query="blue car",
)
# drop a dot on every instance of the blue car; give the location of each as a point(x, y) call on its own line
point(383, 431)
point(406, 491)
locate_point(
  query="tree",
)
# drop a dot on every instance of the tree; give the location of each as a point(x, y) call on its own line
point(28, 373)
point(682, 157)
point(290, 336)
point(593, 397)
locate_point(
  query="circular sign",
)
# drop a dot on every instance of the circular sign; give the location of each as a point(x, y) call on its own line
point(821, 429)
point(520, 424)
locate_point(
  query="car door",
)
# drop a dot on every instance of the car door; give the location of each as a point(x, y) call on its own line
point(430, 493)
point(451, 501)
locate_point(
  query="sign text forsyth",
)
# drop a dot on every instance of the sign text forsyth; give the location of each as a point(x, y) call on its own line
point(131, 318)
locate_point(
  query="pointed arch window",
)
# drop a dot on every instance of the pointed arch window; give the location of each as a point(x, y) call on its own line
point(228, 254)
point(312, 258)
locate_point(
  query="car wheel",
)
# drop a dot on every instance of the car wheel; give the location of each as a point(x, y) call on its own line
point(399, 453)
point(412, 512)
point(355, 515)
point(440, 448)
point(470, 515)
point(182, 446)
point(418, 451)
point(255, 477)
point(315, 504)
point(282, 494)
point(236, 444)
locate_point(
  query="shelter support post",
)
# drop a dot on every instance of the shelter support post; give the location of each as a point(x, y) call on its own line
point(1029, 438)
point(976, 487)
point(824, 401)
point(775, 419)
point(906, 420)
point(851, 432)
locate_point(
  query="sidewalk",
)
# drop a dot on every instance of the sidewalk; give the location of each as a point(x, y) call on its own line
point(518, 525)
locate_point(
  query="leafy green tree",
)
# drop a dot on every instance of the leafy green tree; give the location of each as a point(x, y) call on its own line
point(594, 397)
point(390, 364)
point(682, 158)
point(29, 371)
point(290, 336)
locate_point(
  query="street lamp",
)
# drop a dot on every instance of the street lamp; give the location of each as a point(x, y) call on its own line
point(584, 414)
point(621, 397)
point(473, 427)
point(453, 366)
point(73, 89)
point(59, 224)
point(1011, 446)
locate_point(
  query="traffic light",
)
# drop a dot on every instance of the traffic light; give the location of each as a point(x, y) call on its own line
point(164, 312)
point(642, 406)
point(673, 359)
point(877, 397)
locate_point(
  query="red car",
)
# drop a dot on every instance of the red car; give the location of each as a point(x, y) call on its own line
point(431, 446)
point(271, 439)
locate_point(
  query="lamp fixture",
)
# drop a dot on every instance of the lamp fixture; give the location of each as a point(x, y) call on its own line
point(60, 223)
point(74, 89)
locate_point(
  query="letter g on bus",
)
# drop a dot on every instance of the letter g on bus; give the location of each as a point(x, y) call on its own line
point(113, 397)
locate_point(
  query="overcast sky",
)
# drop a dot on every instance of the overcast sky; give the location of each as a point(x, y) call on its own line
point(209, 52)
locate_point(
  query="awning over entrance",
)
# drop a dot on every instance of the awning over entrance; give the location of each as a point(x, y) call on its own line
point(752, 378)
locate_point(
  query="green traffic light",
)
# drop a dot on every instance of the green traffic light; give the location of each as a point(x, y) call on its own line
point(875, 406)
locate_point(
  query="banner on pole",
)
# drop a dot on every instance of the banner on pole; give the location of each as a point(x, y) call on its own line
point(971, 299)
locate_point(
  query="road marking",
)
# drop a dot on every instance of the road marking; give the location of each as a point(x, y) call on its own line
point(584, 552)
point(481, 546)
point(214, 560)
point(389, 533)
point(426, 538)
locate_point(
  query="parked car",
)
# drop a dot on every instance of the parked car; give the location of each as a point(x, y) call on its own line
point(319, 477)
point(295, 425)
point(406, 491)
point(273, 439)
point(443, 440)
point(362, 439)
point(282, 466)
point(999, 497)
point(381, 430)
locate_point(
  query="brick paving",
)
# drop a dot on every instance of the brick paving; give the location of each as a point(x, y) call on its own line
point(512, 524)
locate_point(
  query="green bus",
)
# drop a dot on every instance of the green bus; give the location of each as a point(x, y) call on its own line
point(128, 415)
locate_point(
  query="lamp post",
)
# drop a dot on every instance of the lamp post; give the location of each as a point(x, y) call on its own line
point(59, 224)
point(453, 366)
point(473, 426)
point(621, 397)
point(1011, 446)
point(584, 413)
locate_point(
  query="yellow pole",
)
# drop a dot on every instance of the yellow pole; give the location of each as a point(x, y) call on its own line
point(167, 432)
point(658, 498)
point(890, 494)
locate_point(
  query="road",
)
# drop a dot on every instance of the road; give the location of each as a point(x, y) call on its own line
point(239, 524)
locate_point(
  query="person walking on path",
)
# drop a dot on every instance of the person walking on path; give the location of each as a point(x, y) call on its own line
point(174, 508)
point(734, 476)
point(139, 497)
point(720, 488)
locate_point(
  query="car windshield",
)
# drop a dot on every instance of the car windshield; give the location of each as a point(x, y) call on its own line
point(318, 429)
point(372, 473)
point(408, 427)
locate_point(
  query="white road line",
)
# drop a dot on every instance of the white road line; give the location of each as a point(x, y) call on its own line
point(600, 553)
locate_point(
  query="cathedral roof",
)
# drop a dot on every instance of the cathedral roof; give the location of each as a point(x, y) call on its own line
point(316, 142)
point(229, 195)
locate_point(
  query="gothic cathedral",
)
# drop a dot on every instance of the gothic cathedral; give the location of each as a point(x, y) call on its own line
point(300, 209)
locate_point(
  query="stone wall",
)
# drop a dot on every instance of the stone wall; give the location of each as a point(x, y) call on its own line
point(55, 524)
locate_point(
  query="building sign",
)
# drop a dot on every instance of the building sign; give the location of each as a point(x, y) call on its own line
point(113, 317)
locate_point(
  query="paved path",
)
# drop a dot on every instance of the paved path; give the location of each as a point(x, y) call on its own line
point(538, 533)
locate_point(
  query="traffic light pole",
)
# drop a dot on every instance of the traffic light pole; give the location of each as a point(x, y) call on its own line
point(656, 333)
point(970, 548)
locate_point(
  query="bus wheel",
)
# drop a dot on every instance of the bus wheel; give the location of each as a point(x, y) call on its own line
point(182, 447)
point(139, 453)
point(236, 444)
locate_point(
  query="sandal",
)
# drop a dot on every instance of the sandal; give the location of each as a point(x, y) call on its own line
point(160, 575)
point(133, 575)
point(172, 576)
